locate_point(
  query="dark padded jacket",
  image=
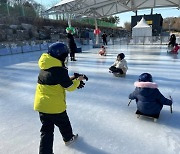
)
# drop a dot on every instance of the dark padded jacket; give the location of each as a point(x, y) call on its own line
point(148, 98)
point(71, 43)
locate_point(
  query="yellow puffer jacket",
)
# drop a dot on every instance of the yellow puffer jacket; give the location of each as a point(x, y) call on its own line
point(53, 80)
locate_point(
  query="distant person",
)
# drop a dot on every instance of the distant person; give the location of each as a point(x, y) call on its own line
point(175, 49)
point(50, 97)
point(148, 98)
point(120, 65)
point(102, 51)
point(104, 38)
point(71, 44)
point(172, 40)
point(112, 38)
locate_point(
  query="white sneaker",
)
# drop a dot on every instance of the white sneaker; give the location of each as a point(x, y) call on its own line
point(71, 140)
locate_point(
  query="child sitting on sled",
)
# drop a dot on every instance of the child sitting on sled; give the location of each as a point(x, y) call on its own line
point(120, 65)
point(148, 98)
point(102, 51)
point(175, 49)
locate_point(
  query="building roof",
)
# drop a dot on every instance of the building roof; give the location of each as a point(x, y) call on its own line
point(104, 8)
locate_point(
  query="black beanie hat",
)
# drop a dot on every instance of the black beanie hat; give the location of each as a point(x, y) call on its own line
point(145, 77)
point(121, 55)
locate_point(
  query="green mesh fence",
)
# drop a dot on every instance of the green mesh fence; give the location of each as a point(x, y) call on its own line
point(99, 22)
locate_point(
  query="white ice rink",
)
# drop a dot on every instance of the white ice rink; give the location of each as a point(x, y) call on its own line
point(99, 112)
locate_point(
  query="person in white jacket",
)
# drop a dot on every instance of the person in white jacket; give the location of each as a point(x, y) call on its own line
point(120, 65)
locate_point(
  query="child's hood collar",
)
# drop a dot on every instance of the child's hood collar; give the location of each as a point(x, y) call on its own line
point(145, 84)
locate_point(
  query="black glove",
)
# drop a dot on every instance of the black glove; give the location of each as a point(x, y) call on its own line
point(77, 75)
point(81, 85)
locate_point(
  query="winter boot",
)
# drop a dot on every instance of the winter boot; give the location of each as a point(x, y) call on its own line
point(74, 59)
point(71, 140)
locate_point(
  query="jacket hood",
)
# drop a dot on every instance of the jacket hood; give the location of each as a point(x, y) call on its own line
point(146, 89)
point(145, 85)
point(46, 61)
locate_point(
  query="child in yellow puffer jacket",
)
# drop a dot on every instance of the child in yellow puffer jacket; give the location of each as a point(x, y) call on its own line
point(50, 96)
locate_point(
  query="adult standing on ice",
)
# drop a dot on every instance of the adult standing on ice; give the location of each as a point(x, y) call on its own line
point(71, 44)
point(104, 38)
point(50, 96)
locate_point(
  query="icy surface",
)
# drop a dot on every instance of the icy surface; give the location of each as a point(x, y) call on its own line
point(99, 112)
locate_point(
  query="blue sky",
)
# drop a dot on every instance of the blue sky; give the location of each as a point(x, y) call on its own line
point(126, 17)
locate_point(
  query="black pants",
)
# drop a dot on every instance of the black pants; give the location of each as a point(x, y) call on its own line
point(72, 55)
point(172, 44)
point(48, 121)
point(116, 70)
point(104, 41)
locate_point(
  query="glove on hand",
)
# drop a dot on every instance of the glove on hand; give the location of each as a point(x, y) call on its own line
point(81, 85)
point(84, 76)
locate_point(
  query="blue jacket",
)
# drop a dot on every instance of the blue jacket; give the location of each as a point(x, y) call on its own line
point(148, 98)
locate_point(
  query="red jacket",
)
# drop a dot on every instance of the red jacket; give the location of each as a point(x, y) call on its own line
point(175, 49)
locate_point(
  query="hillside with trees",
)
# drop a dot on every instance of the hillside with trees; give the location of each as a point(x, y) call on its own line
point(22, 20)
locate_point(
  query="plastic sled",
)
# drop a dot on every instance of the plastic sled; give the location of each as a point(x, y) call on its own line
point(119, 75)
point(154, 117)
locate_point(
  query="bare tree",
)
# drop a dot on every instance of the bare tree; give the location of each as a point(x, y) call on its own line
point(171, 24)
point(127, 26)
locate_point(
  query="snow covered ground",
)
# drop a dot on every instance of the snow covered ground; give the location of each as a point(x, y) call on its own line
point(99, 112)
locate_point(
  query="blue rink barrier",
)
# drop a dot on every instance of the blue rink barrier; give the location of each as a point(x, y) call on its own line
point(26, 46)
point(5, 50)
point(14, 48)
point(78, 50)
